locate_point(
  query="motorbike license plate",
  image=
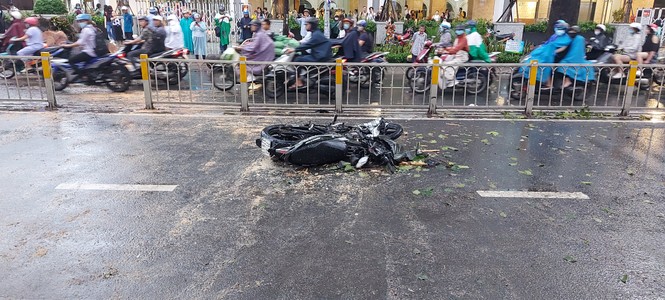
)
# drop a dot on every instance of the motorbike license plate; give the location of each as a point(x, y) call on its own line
point(265, 146)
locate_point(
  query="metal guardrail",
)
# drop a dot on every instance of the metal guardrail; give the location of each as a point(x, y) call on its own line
point(381, 85)
point(27, 79)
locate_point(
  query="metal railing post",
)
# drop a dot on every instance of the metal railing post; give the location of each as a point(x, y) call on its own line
point(434, 87)
point(630, 89)
point(339, 81)
point(145, 77)
point(244, 92)
point(48, 79)
point(531, 89)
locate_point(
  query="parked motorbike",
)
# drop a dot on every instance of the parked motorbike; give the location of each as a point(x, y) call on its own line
point(359, 145)
point(107, 70)
point(422, 58)
point(501, 37)
point(171, 71)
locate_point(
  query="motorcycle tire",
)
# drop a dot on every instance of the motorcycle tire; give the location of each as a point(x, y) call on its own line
point(482, 83)
point(223, 78)
point(421, 82)
point(118, 78)
point(273, 87)
point(7, 70)
point(410, 72)
point(60, 79)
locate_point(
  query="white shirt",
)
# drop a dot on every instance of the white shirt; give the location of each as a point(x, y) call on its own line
point(174, 36)
point(436, 18)
point(35, 39)
point(87, 40)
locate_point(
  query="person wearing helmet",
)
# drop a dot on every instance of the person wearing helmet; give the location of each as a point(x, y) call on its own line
point(245, 26)
point(446, 38)
point(16, 29)
point(261, 48)
point(127, 23)
point(34, 41)
point(318, 44)
point(86, 43)
point(174, 38)
point(651, 45)
point(419, 39)
point(598, 42)
point(477, 49)
point(303, 21)
point(223, 22)
point(552, 51)
point(199, 38)
point(346, 24)
point(631, 47)
point(365, 39)
point(185, 24)
point(150, 42)
point(575, 54)
point(350, 46)
point(152, 12)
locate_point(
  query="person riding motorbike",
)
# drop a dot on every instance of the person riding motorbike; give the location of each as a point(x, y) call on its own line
point(347, 24)
point(576, 55)
point(651, 45)
point(261, 48)
point(458, 53)
point(152, 40)
point(16, 29)
point(350, 47)
point(630, 47)
point(598, 42)
point(152, 12)
point(365, 40)
point(86, 42)
point(446, 38)
point(551, 51)
point(33, 38)
point(318, 44)
point(477, 49)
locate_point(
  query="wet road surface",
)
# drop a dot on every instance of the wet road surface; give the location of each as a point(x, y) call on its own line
point(240, 226)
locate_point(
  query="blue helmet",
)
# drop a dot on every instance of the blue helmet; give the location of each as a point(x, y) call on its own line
point(152, 10)
point(83, 17)
point(471, 23)
point(362, 23)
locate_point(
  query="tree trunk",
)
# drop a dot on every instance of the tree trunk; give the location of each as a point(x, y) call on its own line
point(285, 12)
point(567, 10)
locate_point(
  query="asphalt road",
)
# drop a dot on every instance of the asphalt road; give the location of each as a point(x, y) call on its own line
point(238, 225)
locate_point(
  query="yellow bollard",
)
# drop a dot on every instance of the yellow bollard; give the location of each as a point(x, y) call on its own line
point(243, 69)
point(145, 76)
point(339, 82)
point(630, 89)
point(531, 89)
point(435, 72)
point(48, 79)
point(632, 74)
point(244, 88)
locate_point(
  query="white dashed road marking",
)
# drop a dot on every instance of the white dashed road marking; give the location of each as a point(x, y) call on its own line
point(541, 195)
point(117, 187)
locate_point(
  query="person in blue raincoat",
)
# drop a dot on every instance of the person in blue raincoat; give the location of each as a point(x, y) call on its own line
point(550, 52)
point(576, 55)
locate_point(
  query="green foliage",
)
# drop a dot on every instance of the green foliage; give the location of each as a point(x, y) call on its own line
point(293, 24)
point(64, 24)
point(617, 15)
point(483, 25)
point(588, 26)
point(536, 27)
point(397, 53)
point(610, 29)
point(99, 22)
point(508, 57)
point(55, 7)
point(371, 26)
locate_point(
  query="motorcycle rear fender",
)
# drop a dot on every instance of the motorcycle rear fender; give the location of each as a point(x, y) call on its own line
point(317, 150)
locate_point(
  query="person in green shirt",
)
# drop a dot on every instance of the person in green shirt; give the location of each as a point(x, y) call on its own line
point(223, 22)
point(477, 49)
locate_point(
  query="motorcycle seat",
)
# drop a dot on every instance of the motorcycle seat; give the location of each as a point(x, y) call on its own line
point(156, 54)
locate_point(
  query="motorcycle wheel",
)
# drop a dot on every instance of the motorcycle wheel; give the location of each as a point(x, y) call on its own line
point(274, 88)
point(420, 83)
point(60, 79)
point(223, 78)
point(118, 78)
point(393, 131)
point(7, 70)
point(177, 72)
point(410, 72)
point(480, 80)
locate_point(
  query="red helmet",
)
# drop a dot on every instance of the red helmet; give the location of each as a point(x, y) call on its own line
point(347, 21)
point(653, 26)
point(32, 21)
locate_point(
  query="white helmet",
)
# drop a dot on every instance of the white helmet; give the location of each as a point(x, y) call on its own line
point(124, 8)
point(601, 27)
point(445, 24)
point(637, 26)
point(15, 14)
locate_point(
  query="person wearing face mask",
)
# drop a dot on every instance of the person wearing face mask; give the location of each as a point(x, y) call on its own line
point(86, 42)
point(334, 28)
point(631, 46)
point(457, 54)
point(575, 54)
point(477, 49)
point(552, 51)
point(446, 38)
point(598, 42)
point(350, 47)
point(346, 26)
point(34, 40)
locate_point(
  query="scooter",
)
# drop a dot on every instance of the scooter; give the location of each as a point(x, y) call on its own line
point(280, 78)
point(171, 72)
point(107, 69)
point(474, 80)
point(366, 75)
point(10, 67)
point(422, 58)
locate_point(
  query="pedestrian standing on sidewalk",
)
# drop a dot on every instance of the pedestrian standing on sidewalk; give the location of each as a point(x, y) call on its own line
point(127, 23)
point(174, 38)
point(223, 22)
point(185, 23)
point(199, 39)
point(108, 15)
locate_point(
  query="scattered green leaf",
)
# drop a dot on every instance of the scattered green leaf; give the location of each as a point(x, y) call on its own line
point(485, 141)
point(432, 141)
point(503, 214)
point(526, 172)
point(349, 168)
point(422, 276)
point(598, 220)
point(513, 158)
point(416, 192)
point(570, 259)
point(624, 278)
point(416, 175)
point(586, 182)
point(446, 148)
point(460, 185)
point(363, 174)
point(493, 133)
point(512, 164)
point(416, 251)
point(630, 172)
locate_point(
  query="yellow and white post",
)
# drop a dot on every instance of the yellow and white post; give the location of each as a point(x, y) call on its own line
point(434, 88)
point(339, 83)
point(630, 88)
point(244, 92)
point(145, 77)
point(531, 89)
point(48, 79)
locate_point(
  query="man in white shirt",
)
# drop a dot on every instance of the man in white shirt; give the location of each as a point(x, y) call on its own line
point(86, 42)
